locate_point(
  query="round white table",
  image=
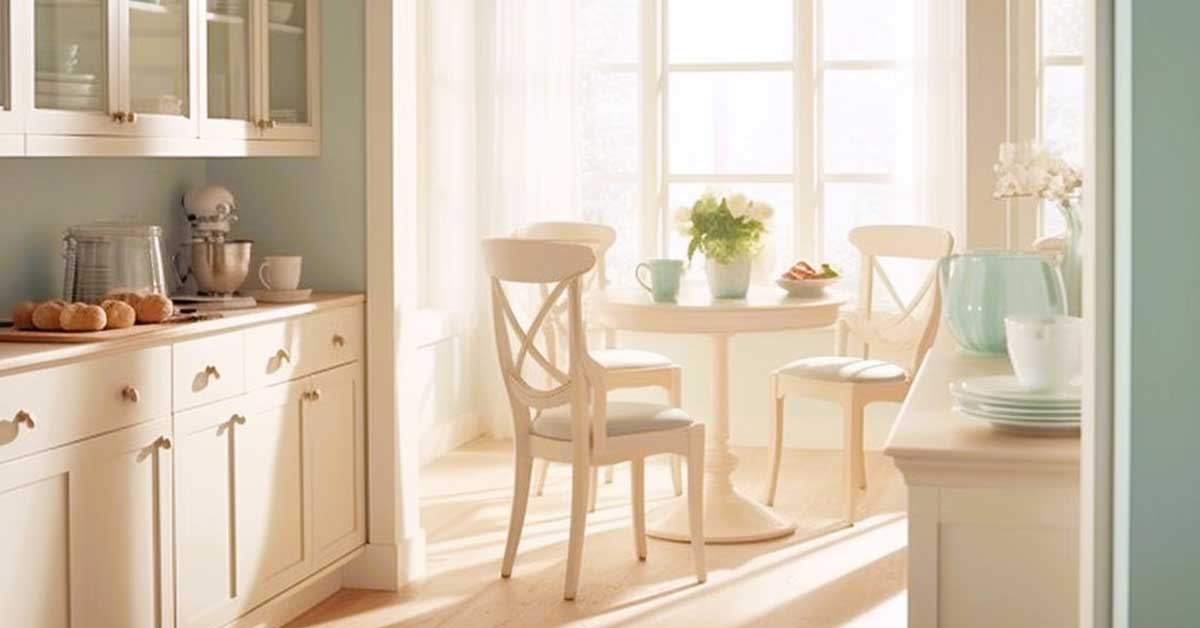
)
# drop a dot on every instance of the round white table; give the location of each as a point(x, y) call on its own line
point(729, 516)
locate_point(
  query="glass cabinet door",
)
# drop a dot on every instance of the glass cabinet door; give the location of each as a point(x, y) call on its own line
point(288, 95)
point(158, 76)
point(229, 62)
point(71, 55)
point(5, 56)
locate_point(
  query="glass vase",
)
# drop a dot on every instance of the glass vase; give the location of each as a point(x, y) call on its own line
point(1071, 264)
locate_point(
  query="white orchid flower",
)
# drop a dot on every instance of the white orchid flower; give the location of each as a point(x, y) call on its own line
point(739, 205)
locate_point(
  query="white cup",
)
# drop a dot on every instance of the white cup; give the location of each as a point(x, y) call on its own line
point(1046, 351)
point(280, 272)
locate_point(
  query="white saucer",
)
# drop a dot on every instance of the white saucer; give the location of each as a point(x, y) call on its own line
point(1008, 415)
point(1062, 428)
point(1006, 388)
point(281, 296)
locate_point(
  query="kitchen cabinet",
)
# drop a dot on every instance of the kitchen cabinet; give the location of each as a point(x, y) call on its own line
point(88, 533)
point(12, 92)
point(151, 493)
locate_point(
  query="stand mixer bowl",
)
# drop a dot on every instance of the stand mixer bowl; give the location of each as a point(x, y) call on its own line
point(220, 268)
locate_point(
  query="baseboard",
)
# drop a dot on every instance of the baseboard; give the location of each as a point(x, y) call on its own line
point(448, 435)
point(297, 600)
point(386, 567)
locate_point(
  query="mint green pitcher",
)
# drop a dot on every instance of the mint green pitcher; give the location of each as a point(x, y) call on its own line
point(664, 278)
point(980, 288)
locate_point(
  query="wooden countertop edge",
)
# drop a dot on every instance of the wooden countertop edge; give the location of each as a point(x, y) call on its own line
point(20, 357)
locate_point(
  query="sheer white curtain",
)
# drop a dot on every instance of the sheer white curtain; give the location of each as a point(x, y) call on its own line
point(527, 127)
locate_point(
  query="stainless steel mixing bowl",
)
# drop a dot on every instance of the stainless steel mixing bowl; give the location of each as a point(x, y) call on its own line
point(220, 268)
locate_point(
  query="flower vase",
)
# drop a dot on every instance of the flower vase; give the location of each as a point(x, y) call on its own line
point(729, 281)
point(1071, 264)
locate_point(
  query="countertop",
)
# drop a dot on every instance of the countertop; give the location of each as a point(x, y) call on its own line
point(19, 357)
point(930, 442)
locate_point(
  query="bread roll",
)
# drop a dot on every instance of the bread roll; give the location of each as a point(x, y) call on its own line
point(23, 315)
point(131, 298)
point(47, 315)
point(82, 317)
point(154, 308)
point(119, 313)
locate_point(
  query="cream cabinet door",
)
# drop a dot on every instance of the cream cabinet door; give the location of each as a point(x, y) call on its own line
point(229, 54)
point(290, 81)
point(14, 65)
point(76, 49)
point(88, 533)
point(240, 505)
point(334, 437)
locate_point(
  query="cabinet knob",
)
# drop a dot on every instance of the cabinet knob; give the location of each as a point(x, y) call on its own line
point(270, 124)
point(239, 419)
point(164, 442)
point(339, 340)
point(313, 395)
point(283, 356)
point(131, 117)
point(211, 371)
point(130, 394)
point(118, 116)
point(24, 417)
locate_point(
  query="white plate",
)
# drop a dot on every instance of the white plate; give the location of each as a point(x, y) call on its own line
point(1007, 411)
point(1033, 429)
point(806, 288)
point(66, 77)
point(1019, 406)
point(1007, 388)
point(67, 89)
point(1008, 415)
point(280, 296)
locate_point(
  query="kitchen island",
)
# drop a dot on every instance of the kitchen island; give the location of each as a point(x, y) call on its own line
point(993, 516)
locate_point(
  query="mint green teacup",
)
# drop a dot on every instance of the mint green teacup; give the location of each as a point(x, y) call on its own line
point(664, 278)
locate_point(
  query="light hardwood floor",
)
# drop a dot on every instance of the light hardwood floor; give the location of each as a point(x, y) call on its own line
point(851, 576)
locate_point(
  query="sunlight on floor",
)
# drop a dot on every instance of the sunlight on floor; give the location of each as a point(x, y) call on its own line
point(852, 576)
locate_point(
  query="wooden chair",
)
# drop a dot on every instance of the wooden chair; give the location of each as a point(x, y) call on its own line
point(570, 420)
point(857, 382)
point(627, 368)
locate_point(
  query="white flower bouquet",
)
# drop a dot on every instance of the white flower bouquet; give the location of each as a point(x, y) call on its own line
point(724, 227)
point(1030, 170)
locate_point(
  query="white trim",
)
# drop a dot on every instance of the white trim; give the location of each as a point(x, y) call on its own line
point(730, 178)
point(768, 66)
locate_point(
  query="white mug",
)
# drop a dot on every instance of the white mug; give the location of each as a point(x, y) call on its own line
point(280, 272)
point(1046, 351)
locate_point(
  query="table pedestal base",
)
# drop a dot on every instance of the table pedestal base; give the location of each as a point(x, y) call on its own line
point(729, 517)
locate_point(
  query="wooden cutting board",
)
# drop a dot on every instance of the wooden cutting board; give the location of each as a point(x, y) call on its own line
point(8, 334)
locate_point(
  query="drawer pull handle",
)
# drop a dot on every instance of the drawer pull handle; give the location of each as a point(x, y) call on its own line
point(313, 395)
point(164, 442)
point(238, 419)
point(283, 356)
point(211, 371)
point(130, 394)
point(339, 340)
point(24, 417)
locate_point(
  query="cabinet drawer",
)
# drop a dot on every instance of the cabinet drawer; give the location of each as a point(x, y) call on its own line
point(294, 348)
point(74, 401)
point(208, 369)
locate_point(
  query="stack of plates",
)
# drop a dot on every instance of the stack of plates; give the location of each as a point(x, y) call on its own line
point(227, 7)
point(67, 90)
point(1003, 402)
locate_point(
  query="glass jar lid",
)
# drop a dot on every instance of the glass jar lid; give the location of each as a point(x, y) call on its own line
point(113, 231)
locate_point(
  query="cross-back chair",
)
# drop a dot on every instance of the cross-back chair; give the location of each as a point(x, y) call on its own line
point(856, 382)
point(627, 368)
point(564, 415)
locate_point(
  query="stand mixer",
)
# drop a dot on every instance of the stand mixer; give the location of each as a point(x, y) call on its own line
point(218, 265)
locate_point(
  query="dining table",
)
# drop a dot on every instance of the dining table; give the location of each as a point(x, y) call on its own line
point(729, 515)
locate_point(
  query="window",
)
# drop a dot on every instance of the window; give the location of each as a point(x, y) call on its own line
point(1061, 89)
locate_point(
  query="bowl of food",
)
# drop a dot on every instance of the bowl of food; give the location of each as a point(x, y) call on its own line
point(804, 281)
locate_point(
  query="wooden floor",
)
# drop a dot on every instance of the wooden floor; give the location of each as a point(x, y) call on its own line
point(852, 576)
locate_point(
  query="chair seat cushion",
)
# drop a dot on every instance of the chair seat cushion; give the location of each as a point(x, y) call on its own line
point(624, 418)
point(845, 369)
point(616, 359)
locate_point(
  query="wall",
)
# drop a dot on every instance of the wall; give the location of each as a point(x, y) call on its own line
point(1157, 153)
point(315, 207)
point(42, 197)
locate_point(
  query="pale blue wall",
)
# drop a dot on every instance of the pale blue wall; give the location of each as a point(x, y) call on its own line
point(315, 207)
point(40, 198)
point(1158, 208)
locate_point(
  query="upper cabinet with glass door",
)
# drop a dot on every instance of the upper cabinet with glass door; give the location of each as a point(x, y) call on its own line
point(113, 67)
point(290, 106)
point(12, 89)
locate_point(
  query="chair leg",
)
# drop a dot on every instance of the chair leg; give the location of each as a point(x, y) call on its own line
point(593, 488)
point(638, 486)
point(608, 474)
point(775, 443)
point(580, 475)
point(677, 474)
point(695, 481)
point(541, 468)
point(860, 457)
point(849, 460)
point(516, 521)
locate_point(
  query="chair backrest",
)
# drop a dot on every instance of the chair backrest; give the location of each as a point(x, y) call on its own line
point(559, 266)
point(908, 327)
